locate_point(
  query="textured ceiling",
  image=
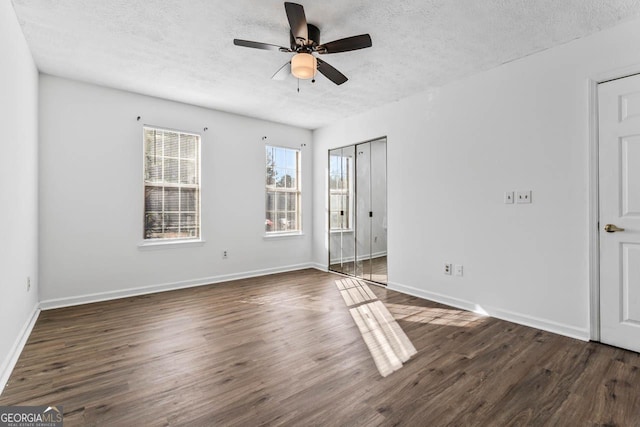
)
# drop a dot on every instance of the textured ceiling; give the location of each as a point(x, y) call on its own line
point(183, 50)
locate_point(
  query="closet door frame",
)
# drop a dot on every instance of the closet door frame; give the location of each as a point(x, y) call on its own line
point(355, 203)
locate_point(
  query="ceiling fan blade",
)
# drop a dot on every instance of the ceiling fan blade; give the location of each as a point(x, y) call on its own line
point(258, 45)
point(283, 72)
point(344, 45)
point(297, 22)
point(331, 73)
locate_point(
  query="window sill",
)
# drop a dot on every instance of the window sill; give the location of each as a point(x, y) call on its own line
point(348, 230)
point(170, 244)
point(283, 235)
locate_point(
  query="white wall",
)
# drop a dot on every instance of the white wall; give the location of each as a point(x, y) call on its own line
point(18, 187)
point(91, 195)
point(452, 153)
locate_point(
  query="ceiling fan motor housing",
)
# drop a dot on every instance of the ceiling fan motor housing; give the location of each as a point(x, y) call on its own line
point(312, 41)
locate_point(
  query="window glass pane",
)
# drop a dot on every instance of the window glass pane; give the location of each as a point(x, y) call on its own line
point(153, 199)
point(270, 157)
point(153, 169)
point(290, 178)
point(153, 225)
point(188, 172)
point(188, 147)
point(269, 223)
point(171, 170)
point(292, 221)
point(171, 224)
point(281, 221)
point(280, 178)
point(281, 201)
point(171, 200)
point(270, 201)
point(270, 177)
point(281, 157)
point(188, 221)
point(292, 201)
point(271, 167)
point(171, 144)
point(291, 156)
point(188, 200)
point(153, 142)
point(188, 232)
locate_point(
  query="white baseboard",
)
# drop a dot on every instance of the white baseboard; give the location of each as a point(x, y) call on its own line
point(319, 266)
point(510, 316)
point(538, 323)
point(14, 354)
point(125, 293)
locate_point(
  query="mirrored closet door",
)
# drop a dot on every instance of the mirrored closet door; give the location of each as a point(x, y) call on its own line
point(341, 210)
point(358, 210)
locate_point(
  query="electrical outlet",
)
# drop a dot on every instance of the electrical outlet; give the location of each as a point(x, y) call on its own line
point(225, 254)
point(508, 197)
point(28, 284)
point(447, 269)
point(523, 196)
point(458, 270)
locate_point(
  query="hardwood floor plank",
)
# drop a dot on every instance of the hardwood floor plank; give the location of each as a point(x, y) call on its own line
point(283, 350)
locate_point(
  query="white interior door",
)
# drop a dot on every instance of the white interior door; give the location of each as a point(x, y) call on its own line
point(619, 194)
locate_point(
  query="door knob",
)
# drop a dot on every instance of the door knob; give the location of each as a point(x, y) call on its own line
point(610, 228)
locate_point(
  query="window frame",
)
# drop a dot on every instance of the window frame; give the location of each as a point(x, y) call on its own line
point(274, 189)
point(163, 241)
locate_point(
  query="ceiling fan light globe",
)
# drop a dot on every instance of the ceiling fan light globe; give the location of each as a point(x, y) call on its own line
point(304, 66)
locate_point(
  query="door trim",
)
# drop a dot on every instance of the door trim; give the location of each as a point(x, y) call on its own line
point(594, 193)
point(594, 201)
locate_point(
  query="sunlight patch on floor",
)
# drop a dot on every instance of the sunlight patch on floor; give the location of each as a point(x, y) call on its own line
point(436, 315)
point(388, 344)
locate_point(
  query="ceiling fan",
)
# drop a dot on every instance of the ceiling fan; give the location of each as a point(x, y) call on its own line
point(305, 41)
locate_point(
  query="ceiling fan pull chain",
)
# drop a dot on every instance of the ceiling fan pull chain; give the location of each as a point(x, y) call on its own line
point(298, 85)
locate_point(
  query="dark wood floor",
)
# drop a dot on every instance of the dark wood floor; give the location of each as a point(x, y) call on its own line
point(283, 350)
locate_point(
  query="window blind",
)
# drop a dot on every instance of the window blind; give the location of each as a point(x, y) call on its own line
point(171, 184)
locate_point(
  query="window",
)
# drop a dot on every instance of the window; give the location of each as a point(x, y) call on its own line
point(340, 192)
point(282, 190)
point(171, 184)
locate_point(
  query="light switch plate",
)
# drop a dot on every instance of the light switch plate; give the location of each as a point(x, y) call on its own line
point(523, 196)
point(458, 269)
